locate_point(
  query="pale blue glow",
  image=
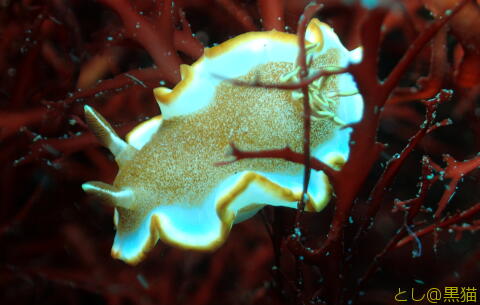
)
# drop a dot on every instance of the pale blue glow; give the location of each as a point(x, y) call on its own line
point(369, 4)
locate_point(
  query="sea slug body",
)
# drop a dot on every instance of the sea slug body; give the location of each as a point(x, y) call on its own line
point(169, 185)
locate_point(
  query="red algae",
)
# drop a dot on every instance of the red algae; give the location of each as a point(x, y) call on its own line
point(408, 195)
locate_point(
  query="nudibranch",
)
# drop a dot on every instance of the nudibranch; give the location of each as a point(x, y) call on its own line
point(169, 185)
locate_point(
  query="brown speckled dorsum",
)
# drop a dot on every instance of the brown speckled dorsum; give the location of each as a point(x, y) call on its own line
point(178, 165)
